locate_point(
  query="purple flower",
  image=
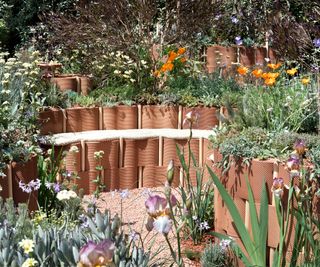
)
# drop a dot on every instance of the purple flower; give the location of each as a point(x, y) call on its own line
point(293, 163)
point(155, 205)
point(234, 20)
point(277, 186)
point(48, 185)
point(35, 184)
point(204, 226)
point(238, 40)
point(124, 193)
point(93, 254)
point(56, 187)
point(300, 147)
point(316, 42)
point(25, 187)
point(225, 243)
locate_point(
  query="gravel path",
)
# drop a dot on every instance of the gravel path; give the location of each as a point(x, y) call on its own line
point(134, 216)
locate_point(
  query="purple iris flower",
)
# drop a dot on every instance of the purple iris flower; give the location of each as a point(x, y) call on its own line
point(316, 42)
point(234, 20)
point(238, 40)
point(56, 187)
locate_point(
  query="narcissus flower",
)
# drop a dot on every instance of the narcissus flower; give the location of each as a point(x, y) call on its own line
point(100, 254)
point(242, 70)
point(30, 262)
point(274, 66)
point(292, 71)
point(27, 245)
point(305, 81)
point(257, 73)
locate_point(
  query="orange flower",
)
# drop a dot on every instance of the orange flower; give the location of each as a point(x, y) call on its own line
point(242, 70)
point(270, 75)
point(305, 80)
point(183, 60)
point(257, 73)
point(274, 66)
point(292, 71)
point(172, 56)
point(156, 73)
point(181, 50)
point(167, 67)
point(270, 81)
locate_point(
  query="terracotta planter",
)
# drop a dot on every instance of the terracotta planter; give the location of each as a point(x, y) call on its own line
point(128, 178)
point(110, 158)
point(241, 206)
point(148, 179)
point(246, 56)
point(160, 176)
point(66, 82)
point(72, 160)
point(220, 213)
point(111, 177)
point(170, 152)
point(109, 118)
point(258, 172)
point(85, 85)
point(220, 57)
point(48, 69)
point(130, 153)
point(82, 119)
point(148, 152)
point(83, 182)
point(208, 118)
point(260, 55)
point(156, 117)
point(51, 121)
point(24, 172)
point(127, 117)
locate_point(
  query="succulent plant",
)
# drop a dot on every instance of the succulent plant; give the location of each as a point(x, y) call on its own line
point(59, 245)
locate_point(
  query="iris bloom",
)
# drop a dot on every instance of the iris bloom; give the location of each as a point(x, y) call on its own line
point(277, 186)
point(163, 224)
point(293, 163)
point(300, 147)
point(92, 254)
point(191, 118)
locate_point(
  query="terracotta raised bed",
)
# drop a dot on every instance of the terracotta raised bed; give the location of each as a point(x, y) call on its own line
point(120, 117)
point(76, 83)
point(220, 57)
point(51, 121)
point(81, 119)
point(208, 117)
point(155, 117)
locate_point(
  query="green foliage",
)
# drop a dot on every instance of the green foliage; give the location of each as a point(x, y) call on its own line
point(216, 256)
point(197, 198)
point(256, 247)
point(59, 245)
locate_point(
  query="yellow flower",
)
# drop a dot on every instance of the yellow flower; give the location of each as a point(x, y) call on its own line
point(242, 70)
point(305, 81)
point(257, 73)
point(27, 245)
point(292, 71)
point(274, 66)
point(270, 81)
point(30, 262)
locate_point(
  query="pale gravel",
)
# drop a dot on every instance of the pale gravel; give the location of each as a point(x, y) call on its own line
point(134, 216)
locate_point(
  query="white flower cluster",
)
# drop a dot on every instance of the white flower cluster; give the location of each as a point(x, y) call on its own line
point(66, 195)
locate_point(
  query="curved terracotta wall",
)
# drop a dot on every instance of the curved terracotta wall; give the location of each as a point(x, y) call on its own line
point(81, 119)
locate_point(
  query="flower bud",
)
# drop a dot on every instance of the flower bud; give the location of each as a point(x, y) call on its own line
point(149, 224)
point(170, 172)
point(189, 203)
